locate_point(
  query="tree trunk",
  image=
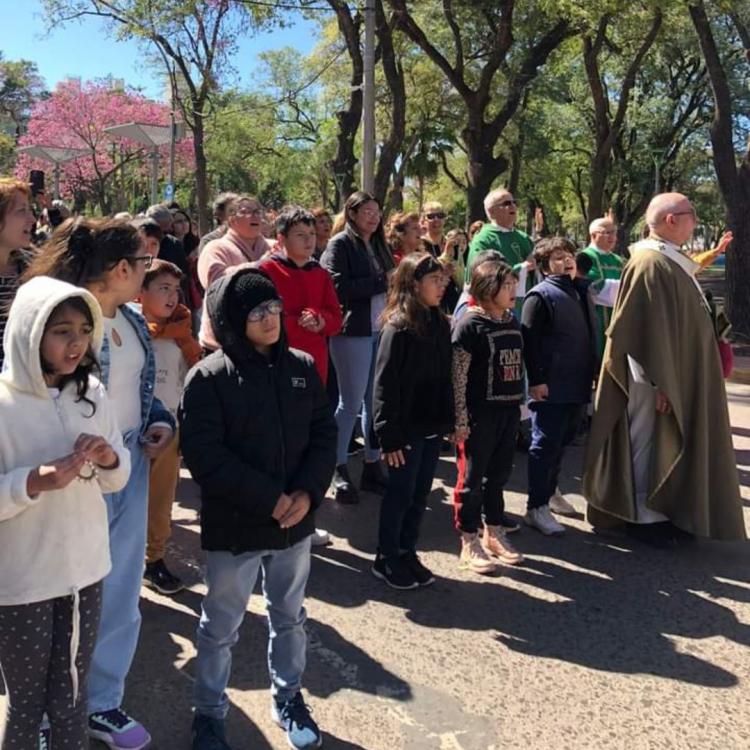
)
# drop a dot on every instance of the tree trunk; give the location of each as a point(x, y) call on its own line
point(201, 172)
point(738, 258)
point(484, 168)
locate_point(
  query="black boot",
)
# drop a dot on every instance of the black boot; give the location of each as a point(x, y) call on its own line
point(346, 492)
point(374, 478)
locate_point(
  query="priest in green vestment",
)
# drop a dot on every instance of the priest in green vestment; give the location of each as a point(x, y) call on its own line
point(660, 454)
point(499, 233)
point(606, 269)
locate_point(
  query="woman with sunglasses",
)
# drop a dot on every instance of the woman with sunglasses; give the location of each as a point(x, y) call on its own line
point(359, 262)
point(433, 222)
point(108, 258)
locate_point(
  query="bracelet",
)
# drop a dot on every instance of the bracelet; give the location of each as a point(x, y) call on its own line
point(93, 473)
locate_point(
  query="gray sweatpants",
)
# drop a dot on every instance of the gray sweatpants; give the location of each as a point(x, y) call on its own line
point(35, 658)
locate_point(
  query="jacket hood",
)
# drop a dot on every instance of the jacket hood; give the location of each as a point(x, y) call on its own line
point(31, 308)
point(232, 341)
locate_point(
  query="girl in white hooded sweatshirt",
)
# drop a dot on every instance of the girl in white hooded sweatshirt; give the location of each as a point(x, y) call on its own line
point(60, 449)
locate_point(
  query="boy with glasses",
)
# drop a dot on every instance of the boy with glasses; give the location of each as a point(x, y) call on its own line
point(499, 233)
point(259, 438)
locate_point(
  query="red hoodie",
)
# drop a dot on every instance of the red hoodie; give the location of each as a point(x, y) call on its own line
point(306, 288)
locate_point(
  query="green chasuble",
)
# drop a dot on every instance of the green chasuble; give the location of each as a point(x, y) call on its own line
point(605, 266)
point(515, 246)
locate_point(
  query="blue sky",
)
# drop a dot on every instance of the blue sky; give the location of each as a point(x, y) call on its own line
point(84, 49)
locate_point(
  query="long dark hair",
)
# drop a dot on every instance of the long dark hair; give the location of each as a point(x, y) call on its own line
point(88, 364)
point(403, 308)
point(82, 251)
point(378, 242)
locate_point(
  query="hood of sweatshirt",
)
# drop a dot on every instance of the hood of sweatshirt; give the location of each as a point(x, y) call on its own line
point(234, 342)
point(31, 308)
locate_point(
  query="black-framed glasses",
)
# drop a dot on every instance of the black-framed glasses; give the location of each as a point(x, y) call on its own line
point(435, 215)
point(272, 307)
point(691, 212)
point(146, 259)
point(507, 203)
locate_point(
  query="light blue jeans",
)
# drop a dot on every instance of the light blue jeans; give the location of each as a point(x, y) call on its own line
point(354, 360)
point(230, 580)
point(120, 621)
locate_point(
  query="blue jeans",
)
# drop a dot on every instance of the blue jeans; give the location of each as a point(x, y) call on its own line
point(354, 360)
point(230, 580)
point(120, 621)
point(405, 497)
point(553, 427)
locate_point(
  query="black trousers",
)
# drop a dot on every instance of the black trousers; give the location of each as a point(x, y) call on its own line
point(485, 462)
point(35, 659)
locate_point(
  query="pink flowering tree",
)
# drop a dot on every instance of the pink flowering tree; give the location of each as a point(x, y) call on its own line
point(76, 115)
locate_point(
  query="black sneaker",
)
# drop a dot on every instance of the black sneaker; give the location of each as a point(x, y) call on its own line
point(422, 574)
point(293, 716)
point(395, 572)
point(346, 492)
point(157, 576)
point(374, 478)
point(208, 733)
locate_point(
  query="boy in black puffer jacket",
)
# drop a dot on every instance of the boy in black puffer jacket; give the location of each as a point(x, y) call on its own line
point(258, 437)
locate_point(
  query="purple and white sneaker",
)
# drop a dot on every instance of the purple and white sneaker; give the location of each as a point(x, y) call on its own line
point(118, 731)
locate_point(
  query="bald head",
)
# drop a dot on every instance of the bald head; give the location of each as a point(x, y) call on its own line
point(672, 217)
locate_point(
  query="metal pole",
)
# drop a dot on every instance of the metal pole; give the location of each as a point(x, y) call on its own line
point(368, 105)
point(173, 137)
point(155, 176)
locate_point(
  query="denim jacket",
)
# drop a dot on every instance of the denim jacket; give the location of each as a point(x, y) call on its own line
point(152, 409)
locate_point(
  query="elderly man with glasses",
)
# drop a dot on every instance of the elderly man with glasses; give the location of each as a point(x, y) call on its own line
point(606, 269)
point(660, 452)
point(499, 233)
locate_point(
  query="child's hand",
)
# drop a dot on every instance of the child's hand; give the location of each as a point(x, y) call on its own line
point(282, 506)
point(395, 459)
point(157, 439)
point(299, 508)
point(311, 321)
point(56, 475)
point(539, 392)
point(97, 450)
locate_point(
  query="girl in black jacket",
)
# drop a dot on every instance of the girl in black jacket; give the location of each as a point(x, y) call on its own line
point(413, 409)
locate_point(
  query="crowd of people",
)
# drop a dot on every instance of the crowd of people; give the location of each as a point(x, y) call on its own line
point(131, 345)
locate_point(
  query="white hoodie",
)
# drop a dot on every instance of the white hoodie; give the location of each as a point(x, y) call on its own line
point(56, 543)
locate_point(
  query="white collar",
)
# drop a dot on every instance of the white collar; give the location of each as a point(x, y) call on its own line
point(503, 229)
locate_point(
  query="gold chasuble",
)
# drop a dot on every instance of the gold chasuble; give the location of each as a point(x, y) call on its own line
point(661, 320)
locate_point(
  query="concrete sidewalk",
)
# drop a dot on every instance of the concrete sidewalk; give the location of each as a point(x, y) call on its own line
point(593, 643)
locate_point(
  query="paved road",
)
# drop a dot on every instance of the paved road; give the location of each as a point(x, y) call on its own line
point(593, 643)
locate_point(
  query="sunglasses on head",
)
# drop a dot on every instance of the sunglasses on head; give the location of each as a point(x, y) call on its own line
point(435, 215)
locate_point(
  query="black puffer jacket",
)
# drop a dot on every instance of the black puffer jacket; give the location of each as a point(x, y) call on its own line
point(250, 429)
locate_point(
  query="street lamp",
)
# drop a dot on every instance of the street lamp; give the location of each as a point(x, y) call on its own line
point(153, 136)
point(56, 155)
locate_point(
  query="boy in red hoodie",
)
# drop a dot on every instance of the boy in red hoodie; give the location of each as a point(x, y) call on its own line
point(175, 352)
point(311, 308)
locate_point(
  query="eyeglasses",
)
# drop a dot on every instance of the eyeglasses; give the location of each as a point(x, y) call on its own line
point(691, 212)
point(272, 307)
point(507, 203)
point(369, 211)
point(250, 212)
point(146, 259)
point(435, 215)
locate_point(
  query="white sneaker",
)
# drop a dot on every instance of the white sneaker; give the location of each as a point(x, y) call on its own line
point(496, 543)
point(558, 504)
point(473, 556)
point(541, 519)
point(320, 538)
